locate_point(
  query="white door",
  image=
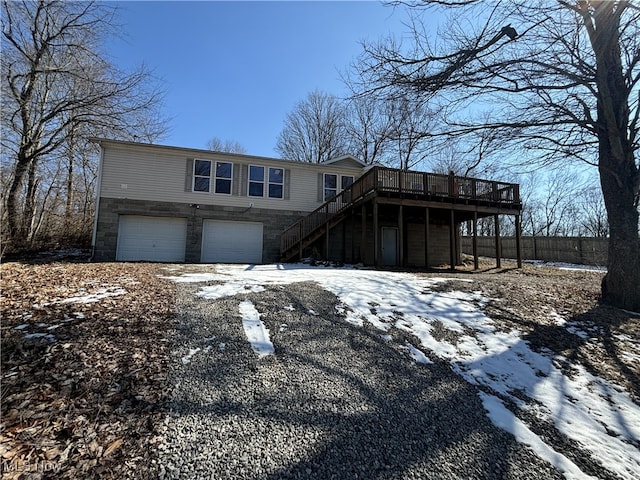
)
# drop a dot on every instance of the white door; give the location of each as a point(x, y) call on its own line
point(390, 246)
point(157, 239)
point(231, 242)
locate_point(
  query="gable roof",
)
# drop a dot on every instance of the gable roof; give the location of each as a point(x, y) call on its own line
point(346, 161)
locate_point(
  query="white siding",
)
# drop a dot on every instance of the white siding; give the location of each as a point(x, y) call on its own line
point(156, 173)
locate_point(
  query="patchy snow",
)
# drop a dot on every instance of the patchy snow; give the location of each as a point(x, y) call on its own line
point(502, 417)
point(45, 336)
point(417, 355)
point(187, 358)
point(597, 414)
point(255, 330)
point(83, 297)
point(214, 292)
point(191, 277)
point(568, 266)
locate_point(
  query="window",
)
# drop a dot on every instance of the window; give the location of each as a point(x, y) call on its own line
point(201, 175)
point(275, 182)
point(346, 182)
point(330, 185)
point(223, 177)
point(256, 181)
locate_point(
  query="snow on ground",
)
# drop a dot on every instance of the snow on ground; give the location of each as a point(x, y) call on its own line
point(567, 266)
point(84, 297)
point(593, 412)
point(191, 277)
point(255, 330)
point(416, 354)
point(502, 417)
point(187, 358)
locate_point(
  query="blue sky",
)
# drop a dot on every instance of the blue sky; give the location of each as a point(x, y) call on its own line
point(235, 69)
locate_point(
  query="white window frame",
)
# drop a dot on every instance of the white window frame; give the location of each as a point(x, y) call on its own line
point(269, 183)
point(195, 175)
point(342, 177)
point(346, 198)
point(266, 182)
point(249, 181)
point(339, 184)
point(216, 178)
point(324, 186)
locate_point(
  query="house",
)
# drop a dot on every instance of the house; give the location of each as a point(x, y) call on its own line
point(170, 204)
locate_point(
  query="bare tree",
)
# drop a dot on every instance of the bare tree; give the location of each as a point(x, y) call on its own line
point(478, 155)
point(57, 88)
point(230, 146)
point(314, 131)
point(559, 78)
point(550, 203)
point(411, 127)
point(592, 213)
point(369, 126)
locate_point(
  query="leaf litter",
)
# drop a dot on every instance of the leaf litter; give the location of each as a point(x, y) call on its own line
point(85, 351)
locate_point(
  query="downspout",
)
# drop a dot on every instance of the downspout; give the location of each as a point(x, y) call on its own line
point(97, 202)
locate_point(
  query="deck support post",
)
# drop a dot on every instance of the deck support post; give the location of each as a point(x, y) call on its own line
point(343, 257)
point(352, 223)
point(518, 241)
point(326, 242)
point(300, 239)
point(376, 235)
point(401, 236)
point(496, 221)
point(426, 237)
point(363, 235)
point(476, 263)
point(452, 241)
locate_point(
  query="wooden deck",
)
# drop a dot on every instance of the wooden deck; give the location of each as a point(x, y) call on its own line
point(393, 186)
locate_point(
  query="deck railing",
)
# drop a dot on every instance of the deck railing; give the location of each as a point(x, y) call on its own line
point(388, 180)
point(420, 183)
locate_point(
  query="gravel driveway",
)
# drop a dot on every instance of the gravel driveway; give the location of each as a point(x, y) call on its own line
point(335, 401)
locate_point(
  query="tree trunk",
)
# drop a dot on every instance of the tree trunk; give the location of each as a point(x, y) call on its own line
point(621, 285)
point(70, 190)
point(619, 175)
point(29, 210)
point(15, 224)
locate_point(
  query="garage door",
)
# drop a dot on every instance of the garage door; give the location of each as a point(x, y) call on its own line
point(158, 239)
point(231, 242)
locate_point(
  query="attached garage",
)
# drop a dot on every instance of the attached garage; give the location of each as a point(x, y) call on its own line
point(231, 242)
point(157, 239)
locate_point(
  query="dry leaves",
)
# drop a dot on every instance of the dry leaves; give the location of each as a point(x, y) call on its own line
point(83, 381)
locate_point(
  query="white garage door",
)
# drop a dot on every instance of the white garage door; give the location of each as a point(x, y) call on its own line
point(158, 239)
point(231, 242)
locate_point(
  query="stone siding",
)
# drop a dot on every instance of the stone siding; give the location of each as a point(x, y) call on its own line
point(274, 223)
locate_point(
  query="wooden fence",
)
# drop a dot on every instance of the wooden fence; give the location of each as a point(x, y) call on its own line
point(580, 250)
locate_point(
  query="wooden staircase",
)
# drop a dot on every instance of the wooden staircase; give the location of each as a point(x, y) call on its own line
point(307, 230)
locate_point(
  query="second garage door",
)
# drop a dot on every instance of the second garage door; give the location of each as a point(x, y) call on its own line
point(231, 242)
